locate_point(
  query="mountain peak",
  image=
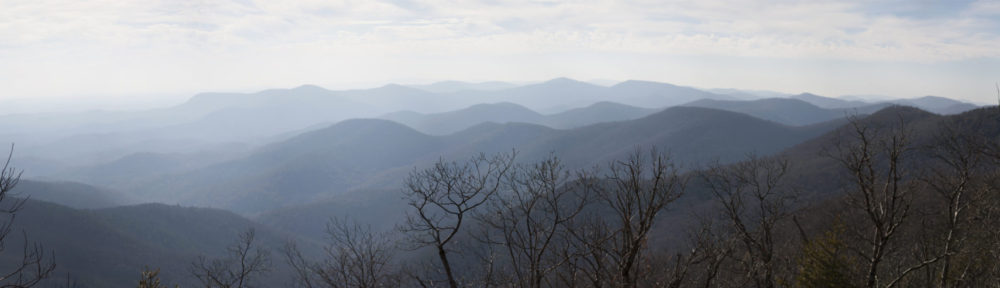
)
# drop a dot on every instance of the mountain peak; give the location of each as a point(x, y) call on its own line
point(562, 79)
point(393, 86)
point(634, 83)
point(308, 87)
point(896, 112)
point(935, 98)
point(560, 83)
point(498, 105)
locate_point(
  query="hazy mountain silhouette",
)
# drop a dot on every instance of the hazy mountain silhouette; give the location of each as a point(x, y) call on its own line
point(453, 121)
point(786, 111)
point(934, 104)
point(692, 135)
point(205, 121)
point(297, 170)
point(505, 112)
point(939, 105)
point(72, 194)
point(550, 96)
point(126, 172)
point(599, 112)
point(829, 102)
point(657, 95)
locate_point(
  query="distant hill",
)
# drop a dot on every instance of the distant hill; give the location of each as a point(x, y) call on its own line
point(505, 112)
point(658, 95)
point(829, 102)
point(599, 112)
point(692, 135)
point(297, 170)
point(76, 195)
point(939, 105)
point(786, 111)
point(934, 104)
point(781, 110)
point(453, 121)
point(394, 97)
point(550, 96)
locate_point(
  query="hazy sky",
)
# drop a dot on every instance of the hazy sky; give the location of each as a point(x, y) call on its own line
point(58, 49)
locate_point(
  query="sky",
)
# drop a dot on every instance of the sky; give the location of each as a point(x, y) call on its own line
point(142, 50)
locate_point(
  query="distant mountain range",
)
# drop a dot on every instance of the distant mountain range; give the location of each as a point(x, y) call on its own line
point(803, 109)
point(787, 111)
point(377, 154)
point(283, 161)
point(228, 121)
point(934, 104)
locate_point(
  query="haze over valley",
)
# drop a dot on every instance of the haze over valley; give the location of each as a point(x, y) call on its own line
point(285, 161)
point(429, 143)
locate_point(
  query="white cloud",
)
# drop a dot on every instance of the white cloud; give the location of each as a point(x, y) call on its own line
point(204, 44)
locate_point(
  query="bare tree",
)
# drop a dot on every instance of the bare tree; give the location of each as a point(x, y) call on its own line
point(589, 260)
point(443, 198)
point(355, 257)
point(711, 249)
point(632, 195)
point(527, 220)
point(876, 159)
point(245, 262)
point(34, 267)
point(636, 201)
point(753, 196)
point(957, 177)
point(699, 264)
